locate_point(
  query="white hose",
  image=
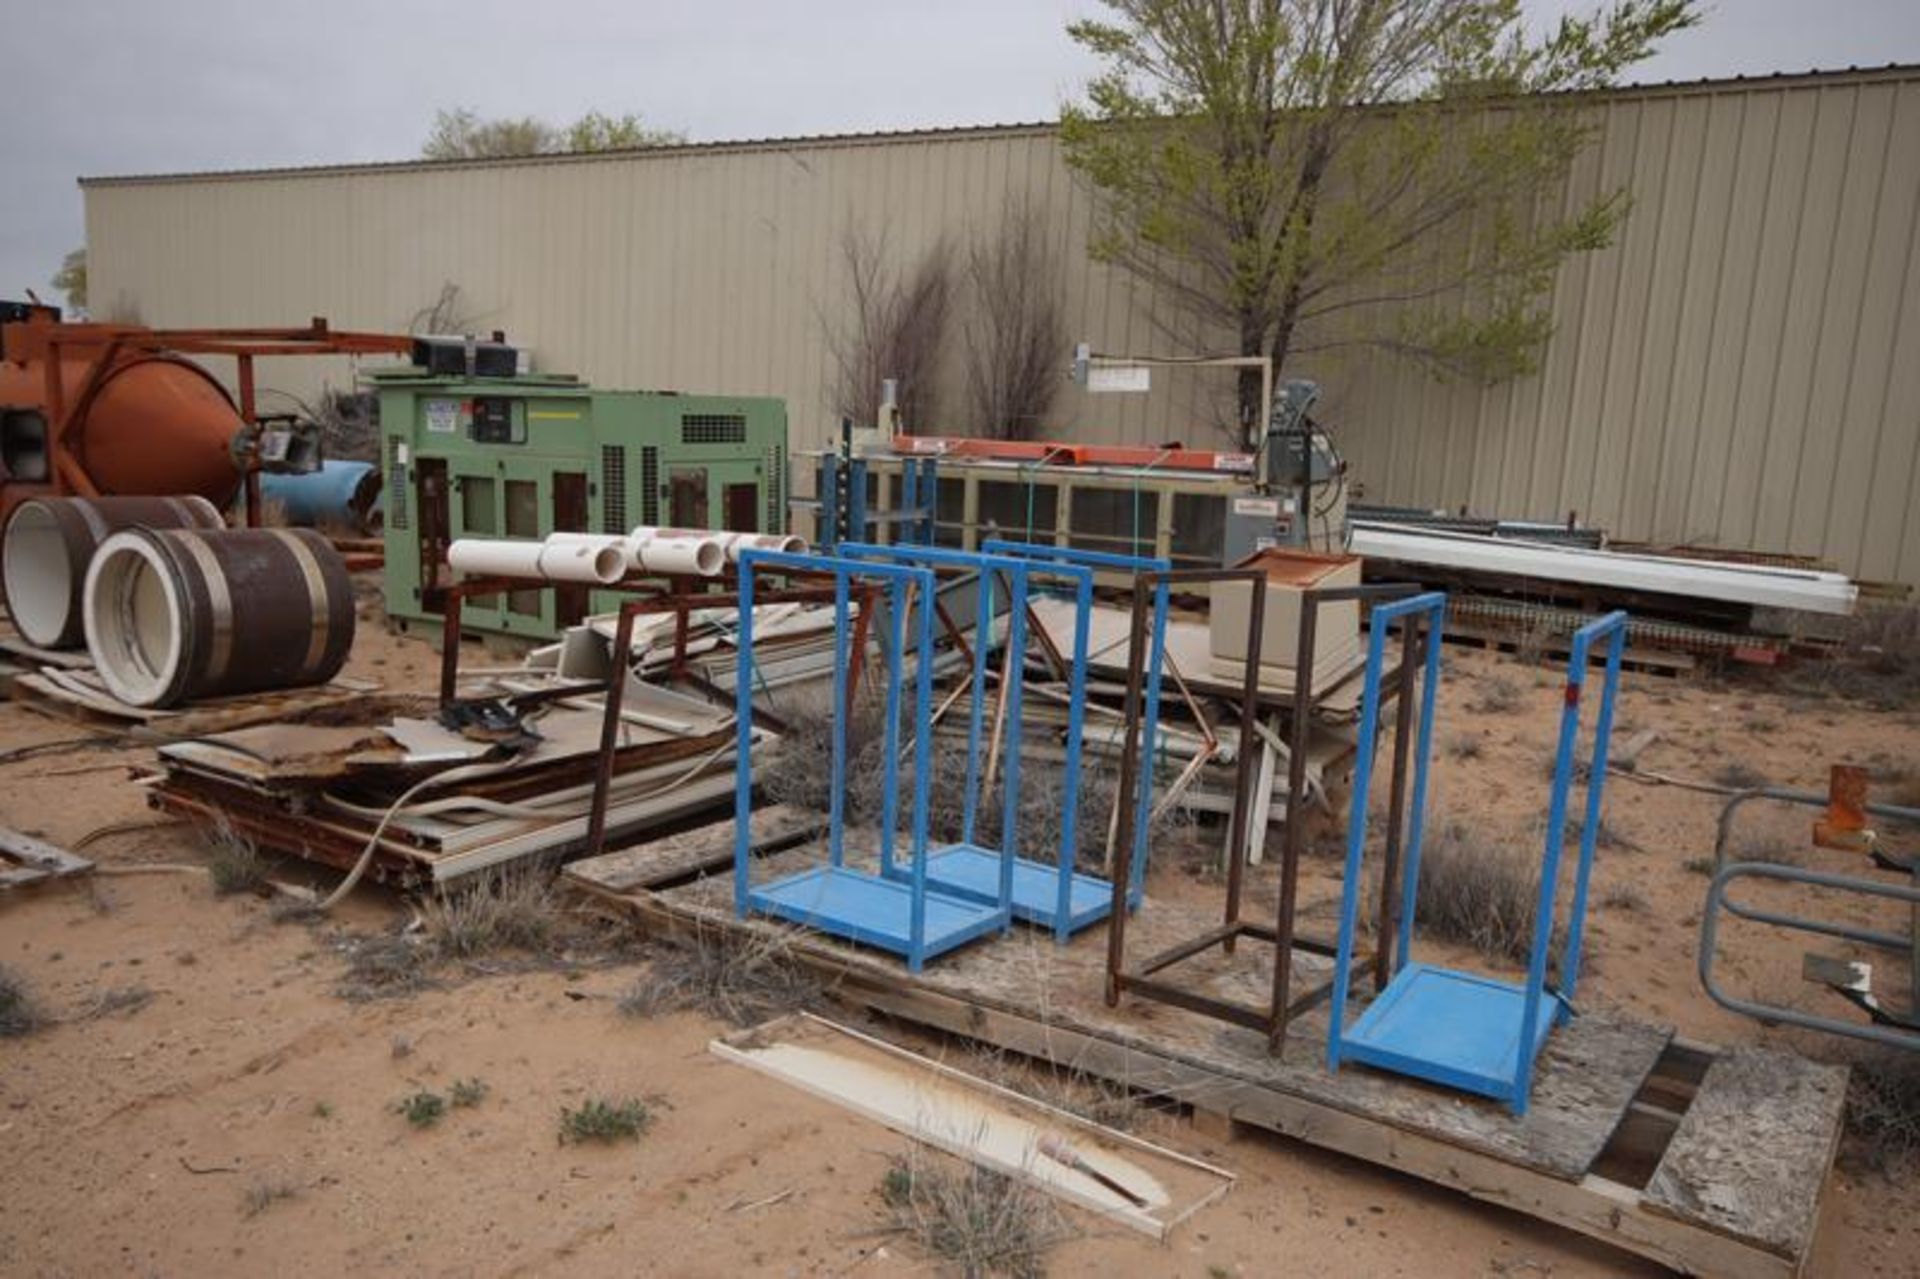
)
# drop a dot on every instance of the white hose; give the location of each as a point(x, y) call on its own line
point(454, 774)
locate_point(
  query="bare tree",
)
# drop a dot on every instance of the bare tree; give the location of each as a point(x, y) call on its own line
point(894, 326)
point(1016, 334)
point(448, 313)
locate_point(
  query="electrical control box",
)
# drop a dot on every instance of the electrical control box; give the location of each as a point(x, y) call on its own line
point(528, 455)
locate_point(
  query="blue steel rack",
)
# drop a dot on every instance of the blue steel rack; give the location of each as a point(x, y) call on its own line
point(905, 915)
point(1465, 1030)
point(1052, 896)
point(1156, 662)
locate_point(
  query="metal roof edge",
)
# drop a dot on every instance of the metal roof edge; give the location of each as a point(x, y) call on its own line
point(822, 141)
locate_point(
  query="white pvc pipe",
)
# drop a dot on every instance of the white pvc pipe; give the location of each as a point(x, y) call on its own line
point(732, 543)
point(560, 559)
point(676, 551)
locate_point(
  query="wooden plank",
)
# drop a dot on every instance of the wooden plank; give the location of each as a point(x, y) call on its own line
point(673, 859)
point(1592, 1205)
point(1586, 1078)
point(26, 860)
point(1752, 1152)
point(1121, 1177)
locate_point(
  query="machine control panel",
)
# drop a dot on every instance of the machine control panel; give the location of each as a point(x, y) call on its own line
point(495, 422)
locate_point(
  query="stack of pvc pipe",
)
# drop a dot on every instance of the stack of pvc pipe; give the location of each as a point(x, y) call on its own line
point(50, 542)
point(564, 557)
point(732, 544)
point(675, 550)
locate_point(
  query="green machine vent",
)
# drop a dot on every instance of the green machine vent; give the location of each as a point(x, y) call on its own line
point(613, 476)
point(650, 486)
point(713, 428)
point(776, 474)
point(396, 483)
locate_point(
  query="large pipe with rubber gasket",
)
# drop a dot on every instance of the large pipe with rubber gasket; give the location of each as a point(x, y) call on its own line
point(178, 614)
point(50, 541)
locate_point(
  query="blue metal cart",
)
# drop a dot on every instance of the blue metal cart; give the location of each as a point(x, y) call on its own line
point(1461, 1029)
point(1054, 895)
point(903, 915)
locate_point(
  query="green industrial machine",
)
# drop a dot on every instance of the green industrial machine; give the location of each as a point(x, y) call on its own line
point(522, 456)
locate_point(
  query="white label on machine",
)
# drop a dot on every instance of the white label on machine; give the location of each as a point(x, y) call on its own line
point(1119, 377)
point(1233, 461)
point(1263, 506)
point(443, 416)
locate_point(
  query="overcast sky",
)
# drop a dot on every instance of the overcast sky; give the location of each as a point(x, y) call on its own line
point(132, 86)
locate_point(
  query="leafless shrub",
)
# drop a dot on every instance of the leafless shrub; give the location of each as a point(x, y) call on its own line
point(1476, 894)
point(1017, 330)
point(384, 966)
point(518, 910)
point(115, 999)
point(447, 313)
point(795, 774)
point(233, 860)
point(1737, 774)
point(742, 980)
point(265, 1191)
point(19, 1011)
point(1466, 746)
point(894, 325)
point(980, 1221)
point(349, 425)
point(1498, 695)
point(1531, 644)
point(1878, 661)
point(1883, 1110)
point(1092, 1097)
point(1624, 897)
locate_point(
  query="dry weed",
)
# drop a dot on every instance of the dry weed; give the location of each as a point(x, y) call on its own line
point(739, 979)
point(19, 1012)
point(979, 1221)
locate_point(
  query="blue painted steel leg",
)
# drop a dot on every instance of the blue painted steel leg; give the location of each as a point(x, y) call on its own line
point(922, 767)
point(743, 743)
point(1076, 733)
point(890, 731)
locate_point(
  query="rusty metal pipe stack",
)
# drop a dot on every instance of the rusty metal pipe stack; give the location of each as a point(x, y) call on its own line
point(178, 614)
point(50, 541)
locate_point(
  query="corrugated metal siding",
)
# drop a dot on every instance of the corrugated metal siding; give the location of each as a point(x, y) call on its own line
point(1741, 367)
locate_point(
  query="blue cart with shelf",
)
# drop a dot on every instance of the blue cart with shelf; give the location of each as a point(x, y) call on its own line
point(1466, 1030)
point(1050, 895)
point(904, 915)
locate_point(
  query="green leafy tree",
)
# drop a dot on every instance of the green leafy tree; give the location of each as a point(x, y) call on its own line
point(1308, 174)
point(71, 279)
point(462, 134)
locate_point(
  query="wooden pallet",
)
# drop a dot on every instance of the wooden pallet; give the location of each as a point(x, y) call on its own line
point(1631, 1137)
point(25, 860)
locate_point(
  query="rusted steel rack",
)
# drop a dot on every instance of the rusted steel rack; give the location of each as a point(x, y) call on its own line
point(680, 596)
point(1145, 978)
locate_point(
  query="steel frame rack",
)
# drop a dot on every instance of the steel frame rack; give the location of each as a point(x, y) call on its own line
point(1052, 896)
point(905, 916)
point(1272, 1021)
point(1465, 1030)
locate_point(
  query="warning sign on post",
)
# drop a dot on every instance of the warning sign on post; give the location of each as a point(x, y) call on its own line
point(1119, 377)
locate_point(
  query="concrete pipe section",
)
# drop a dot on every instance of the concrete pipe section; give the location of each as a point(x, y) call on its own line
point(178, 614)
point(49, 543)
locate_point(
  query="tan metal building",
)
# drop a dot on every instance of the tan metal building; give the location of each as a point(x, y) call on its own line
point(1741, 367)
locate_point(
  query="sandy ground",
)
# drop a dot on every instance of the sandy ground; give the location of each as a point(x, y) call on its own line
point(141, 1141)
